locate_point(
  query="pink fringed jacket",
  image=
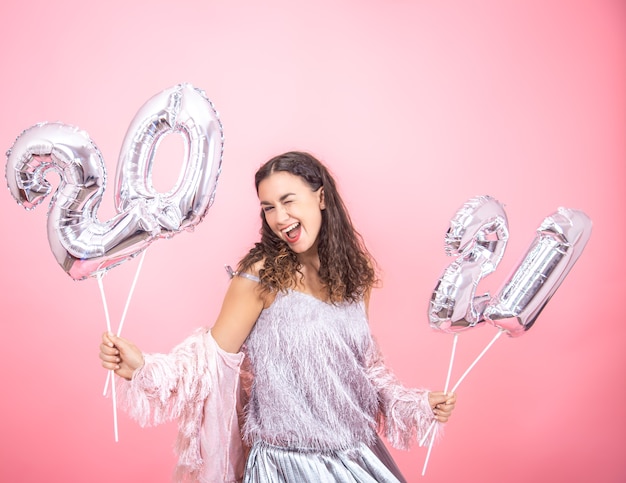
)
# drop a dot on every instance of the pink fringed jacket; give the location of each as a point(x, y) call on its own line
point(313, 378)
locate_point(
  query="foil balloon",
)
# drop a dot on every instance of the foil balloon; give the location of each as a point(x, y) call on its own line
point(558, 243)
point(80, 243)
point(182, 110)
point(477, 236)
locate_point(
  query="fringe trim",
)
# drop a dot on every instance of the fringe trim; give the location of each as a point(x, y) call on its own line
point(405, 414)
point(175, 386)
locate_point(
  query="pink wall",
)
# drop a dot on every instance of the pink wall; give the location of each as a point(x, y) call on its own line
point(416, 106)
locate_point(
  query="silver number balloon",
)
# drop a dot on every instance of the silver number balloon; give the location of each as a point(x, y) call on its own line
point(82, 245)
point(477, 236)
point(559, 241)
point(184, 110)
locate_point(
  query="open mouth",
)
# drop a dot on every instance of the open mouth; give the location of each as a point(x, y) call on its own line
point(292, 232)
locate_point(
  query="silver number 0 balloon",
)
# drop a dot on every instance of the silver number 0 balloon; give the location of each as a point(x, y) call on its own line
point(82, 245)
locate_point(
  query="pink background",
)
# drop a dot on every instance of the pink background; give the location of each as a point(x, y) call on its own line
point(416, 106)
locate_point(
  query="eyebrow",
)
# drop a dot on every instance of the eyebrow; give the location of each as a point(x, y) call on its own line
point(281, 199)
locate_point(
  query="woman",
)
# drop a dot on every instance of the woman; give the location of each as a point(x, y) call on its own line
point(315, 389)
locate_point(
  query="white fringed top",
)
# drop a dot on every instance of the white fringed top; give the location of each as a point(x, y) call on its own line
point(310, 385)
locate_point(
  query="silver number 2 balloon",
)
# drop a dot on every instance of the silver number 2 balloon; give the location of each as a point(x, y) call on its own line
point(478, 235)
point(82, 245)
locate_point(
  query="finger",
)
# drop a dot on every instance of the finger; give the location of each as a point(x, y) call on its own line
point(446, 409)
point(443, 409)
point(440, 416)
point(443, 414)
point(108, 350)
point(111, 366)
point(121, 344)
point(437, 398)
point(113, 359)
point(107, 339)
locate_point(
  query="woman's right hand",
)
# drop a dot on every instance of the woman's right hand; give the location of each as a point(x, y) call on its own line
point(120, 355)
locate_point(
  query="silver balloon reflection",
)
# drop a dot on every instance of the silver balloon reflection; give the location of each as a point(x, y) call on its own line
point(80, 243)
point(84, 246)
point(478, 235)
point(182, 110)
point(557, 245)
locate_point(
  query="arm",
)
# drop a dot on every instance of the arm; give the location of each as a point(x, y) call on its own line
point(406, 413)
point(196, 383)
point(161, 384)
point(241, 308)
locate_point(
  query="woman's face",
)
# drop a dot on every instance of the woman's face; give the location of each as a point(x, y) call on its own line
point(292, 210)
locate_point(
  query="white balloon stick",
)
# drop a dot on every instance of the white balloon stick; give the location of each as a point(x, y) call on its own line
point(129, 297)
point(456, 386)
point(432, 425)
point(445, 390)
point(110, 373)
point(500, 332)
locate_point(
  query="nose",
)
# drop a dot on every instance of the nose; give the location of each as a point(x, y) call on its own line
point(281, 214)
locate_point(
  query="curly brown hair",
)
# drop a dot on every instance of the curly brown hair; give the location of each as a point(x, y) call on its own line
point(346, 267)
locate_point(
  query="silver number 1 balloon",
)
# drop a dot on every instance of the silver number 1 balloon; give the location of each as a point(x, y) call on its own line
point(558, 243)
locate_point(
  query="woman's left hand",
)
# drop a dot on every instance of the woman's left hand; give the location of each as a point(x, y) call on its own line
point(442, 404)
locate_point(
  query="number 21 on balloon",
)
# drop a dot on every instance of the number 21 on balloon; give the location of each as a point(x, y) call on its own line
point(477, 237)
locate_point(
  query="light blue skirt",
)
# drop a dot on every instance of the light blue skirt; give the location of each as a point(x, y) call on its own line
point(362, 464)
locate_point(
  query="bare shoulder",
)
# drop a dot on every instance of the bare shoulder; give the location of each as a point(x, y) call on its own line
point(255, 268)
point(242, 305)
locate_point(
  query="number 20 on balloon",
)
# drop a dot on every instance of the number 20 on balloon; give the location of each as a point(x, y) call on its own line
point(82, 245)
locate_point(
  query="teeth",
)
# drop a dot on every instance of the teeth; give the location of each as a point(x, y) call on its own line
point(291, 227)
